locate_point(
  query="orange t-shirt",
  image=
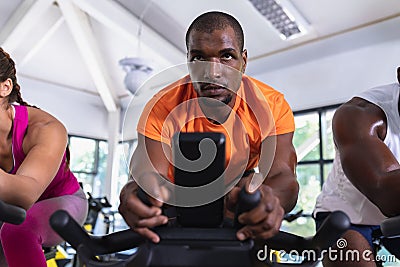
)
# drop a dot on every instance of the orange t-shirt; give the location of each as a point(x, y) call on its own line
point(259, 111)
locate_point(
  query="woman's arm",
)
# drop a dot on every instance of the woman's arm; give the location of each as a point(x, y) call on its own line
point(44, 146)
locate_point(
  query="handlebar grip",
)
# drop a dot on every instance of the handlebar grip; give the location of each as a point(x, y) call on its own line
point(246, 202)
point(390, 227)
point(143, 197)
point(89, 245)
point(11, 213)
point(331, 230)
point(68, 228)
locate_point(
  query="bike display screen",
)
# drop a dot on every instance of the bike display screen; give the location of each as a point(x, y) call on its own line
point(199, 159)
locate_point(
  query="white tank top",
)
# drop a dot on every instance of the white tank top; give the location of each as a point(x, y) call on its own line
point(338, 193)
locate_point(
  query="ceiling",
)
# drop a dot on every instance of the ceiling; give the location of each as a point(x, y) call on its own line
point(77, 43)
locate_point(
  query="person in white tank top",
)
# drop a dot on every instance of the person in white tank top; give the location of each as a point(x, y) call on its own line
point(365, 178)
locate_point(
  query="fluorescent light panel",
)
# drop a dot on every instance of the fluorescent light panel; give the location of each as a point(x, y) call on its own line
point(280, 17)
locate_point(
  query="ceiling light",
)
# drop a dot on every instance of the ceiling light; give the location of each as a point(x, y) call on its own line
point(137, 71)
point(283, 17)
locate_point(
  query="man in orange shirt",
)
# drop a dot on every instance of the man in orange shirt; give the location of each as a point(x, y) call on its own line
point(216, 96)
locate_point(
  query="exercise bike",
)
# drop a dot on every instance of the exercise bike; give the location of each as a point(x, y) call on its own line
point(387, 237)
point(199, 237)
point(200, 241)
point(99, 206)
point(11, 214)
point(197, 246)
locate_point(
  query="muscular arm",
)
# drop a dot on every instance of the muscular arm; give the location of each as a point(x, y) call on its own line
point(150, 156)
point(149, 163)
point(359, 128)
point(278, 185)
point(279, 168)
point(44, 145)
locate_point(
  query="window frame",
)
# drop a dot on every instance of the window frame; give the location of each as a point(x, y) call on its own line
point(96, 154)
point(321, 161)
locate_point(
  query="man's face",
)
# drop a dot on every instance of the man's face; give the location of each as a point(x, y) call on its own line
point(216, 65)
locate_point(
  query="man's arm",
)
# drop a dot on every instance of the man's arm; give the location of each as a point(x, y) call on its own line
point(150, 156)
point(148, 165)
point(359, 128)
point(277, 184)
point(280, 168)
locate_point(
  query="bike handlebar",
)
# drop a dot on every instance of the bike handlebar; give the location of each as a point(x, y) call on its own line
point(89, 246)
point(74, 234)
point(11, 213)
point(246, 202)
point(390, 227)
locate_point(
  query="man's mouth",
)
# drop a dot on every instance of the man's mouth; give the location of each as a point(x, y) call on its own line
point(218, 93)
point(212, 90)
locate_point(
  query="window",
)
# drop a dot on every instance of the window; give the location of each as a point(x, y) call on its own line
point(89, 164)
point(314, 145)
point(125, 151)
point(84, 160)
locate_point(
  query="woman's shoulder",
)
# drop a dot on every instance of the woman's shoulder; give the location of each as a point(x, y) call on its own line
point(39, 119)
point(44, 130)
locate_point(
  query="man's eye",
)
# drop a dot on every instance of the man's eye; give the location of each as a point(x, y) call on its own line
point(197, 58)
point(227, 56)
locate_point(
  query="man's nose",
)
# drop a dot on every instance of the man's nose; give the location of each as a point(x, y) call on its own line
point(213, 70)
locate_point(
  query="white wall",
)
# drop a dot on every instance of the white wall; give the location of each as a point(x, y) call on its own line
point(82, 113)
point(332, 70)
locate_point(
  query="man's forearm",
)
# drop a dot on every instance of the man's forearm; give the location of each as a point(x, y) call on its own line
point(286, 188)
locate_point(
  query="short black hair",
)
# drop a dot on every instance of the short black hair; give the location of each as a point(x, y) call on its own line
point(216, 20)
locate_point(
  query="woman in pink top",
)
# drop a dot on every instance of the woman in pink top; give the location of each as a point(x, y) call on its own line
point(34, 173)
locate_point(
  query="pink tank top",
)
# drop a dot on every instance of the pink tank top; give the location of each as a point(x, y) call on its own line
point(64, 183)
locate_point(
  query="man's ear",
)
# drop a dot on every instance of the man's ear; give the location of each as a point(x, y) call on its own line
point(6, 88)
point(244, 56)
